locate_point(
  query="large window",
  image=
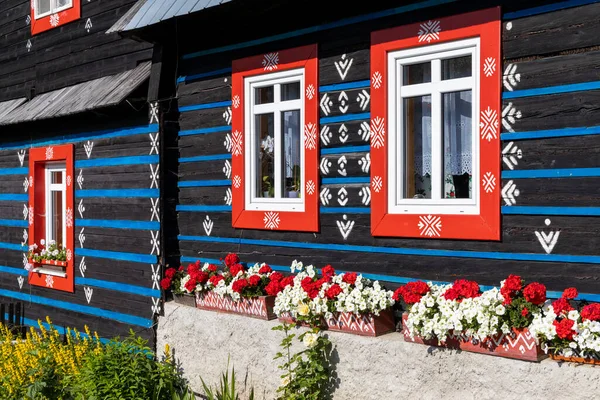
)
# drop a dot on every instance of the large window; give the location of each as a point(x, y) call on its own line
point(435, 138)
point(56, 203)
point(49, 14)
point(275, 141)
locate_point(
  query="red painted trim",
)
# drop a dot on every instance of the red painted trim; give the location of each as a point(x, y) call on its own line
point(308, 221)
point(54, 20)
point(38, 157)
point(484, 24)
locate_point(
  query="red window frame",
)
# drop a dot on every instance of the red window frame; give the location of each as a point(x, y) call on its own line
point(38, 158)
point(54, 20)
point(486, 25)
point(308, 220)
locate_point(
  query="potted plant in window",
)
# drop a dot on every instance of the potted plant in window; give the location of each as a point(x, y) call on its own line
point(296, 182)
point(267, 186)
point(52, 254)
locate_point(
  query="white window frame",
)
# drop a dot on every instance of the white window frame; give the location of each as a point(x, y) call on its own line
point(54, 8)
point(396, 92)
point(55, 187)
point(275, 79)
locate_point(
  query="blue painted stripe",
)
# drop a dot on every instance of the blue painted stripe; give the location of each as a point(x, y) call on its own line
point(345, 210)
point(118, 224)
point(204, 131)
point(202, 208)
point(115, 255)
point(116, 161)
point(16, 223)
point(119, 287)
point(13, 271)
point(216, 182)
point(552, 173)
point(60, 329)
point(12, 246)
point(401, 251)
point(575, 87)
point(13, 197)
point(83, 136)
point(14, 171)
point(117, 193)
point(345, 86)
point(212, 157)
point(355, 179)
point(98, 312)
point(550, 210)
point(551, 133)
point(344, 150)
point(205, 106)
point(547, 8)
point(319, 28)
point(345, 118)
point(194, 77)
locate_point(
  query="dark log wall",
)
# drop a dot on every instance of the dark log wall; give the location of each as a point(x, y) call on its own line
point(66, 55)
point(550, 142)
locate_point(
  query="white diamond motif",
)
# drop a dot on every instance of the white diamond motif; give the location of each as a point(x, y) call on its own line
point(377, 184)
point(489, 124)
point(378, 132)
point(376, 80)
point(54, 20)
point(235, 102)
point(310, 92)
point(429, 31)
point(237, 181)
point(430, 225)
point(236, 143)
point(49, 281)
point(310, 136)
point(49, 153)
point(489, 182)
point(271, 220)
point(489, 66)
point(310, 187)
point(69, 217)
point(270, 61)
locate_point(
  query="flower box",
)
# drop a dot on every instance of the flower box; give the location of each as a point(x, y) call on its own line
point(185, 299)
point(260, 307)
point(54, 263)
point(579, 360)
point(520, 344)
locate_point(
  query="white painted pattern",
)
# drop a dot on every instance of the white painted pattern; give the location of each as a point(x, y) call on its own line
point(82, 266)
point(155, 242)
point(227, 169)
point(547, 240)
point(342, 197)
point(88, 293)
point(28, 45)
point(156, 305)
point(325, 165)
point(207, 224)
point(310, 91)
point(49, 281)
point(28, 19)
point(30, 215)
point(68, 181)
point(88, 25)
point(509, 26)
point(25, 237)
point(270, 61)
point(345, 226)
point(510, 115)
point(80, 179)
point(489, 124)
point(155, 276)
point(54, 20)
point(510, 193)
point(376, 80)
point(365, 163)
point(237, 181)
point(227, 116)
point(81, 237)
point(81, 208)
point(489, 66)
point(227, 142)
point(511, 154)
point(69, 255)
point(31, 181)
point(343, 66)
point(326, 103)
point(365, 195)
point(343, 99)
point(342, 161)
point(364, 131)
point(227, 197)
point(271, 220)
point(343, 131)
point(49, 153)
point(20, 280)
point(235, 101)
point(363, 99)
point(154, 176)
point(325, 196)
point(25, 260)
point(310, 136)
point(236, 143)
point(310, 187)
point(155, 209)
point(26, 184)
point(377, 184)
point(429, 31)
point(489, 182)
point(21, 155)
point(326, 135)
point(25, 211)
point(154, 113)
point(378, 132)
point(430, 225)
point(511, 77)
point(153, 143)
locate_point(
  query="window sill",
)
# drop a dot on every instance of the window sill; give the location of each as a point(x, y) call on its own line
point(48, 271)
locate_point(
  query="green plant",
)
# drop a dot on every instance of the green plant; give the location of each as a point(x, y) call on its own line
point(51, 252)
point(226, 389)
point(268, 185)
point(305, 373)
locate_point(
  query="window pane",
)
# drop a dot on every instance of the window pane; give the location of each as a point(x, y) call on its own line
point(57, 217)
point(416, 73)
point(417, 147)
point(56, 177)
point(265, 164)
point(458, 134)
point(263, 95)
point(290, 91)
point(292, 171)
point(63, 3)
point(43, 6)
point(459, 67)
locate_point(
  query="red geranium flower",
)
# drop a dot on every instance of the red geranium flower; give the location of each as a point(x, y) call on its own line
point(193, 268)
point(570, 293)
point(254, 280)
point(535, 293)
point(201, 277)
point(561, 306)
point(287, 281)
point(511, 286)
point(333, 291)
point(239, 285)
point(212, 268)
point(170, 273)
point(235, 269)
point(525, 312)
point(328, 272)
point(564, 328)
point(310, 287)
point(462, 289)
point(265, 269)
point(181, 268)
point(276, 276)
point(165, 283)
point(273, 288)
point(215, 279)
point(349, 278)
point(591, 312)
point(190, 285)
point(231, 259)
point(412, 292)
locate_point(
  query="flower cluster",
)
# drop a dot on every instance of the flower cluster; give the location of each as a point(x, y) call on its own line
point(521, 300)
point(50, 252)
point(309, 297)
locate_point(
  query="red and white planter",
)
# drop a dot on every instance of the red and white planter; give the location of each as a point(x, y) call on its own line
point(575, 359)
point(54, 263)
point(260, 307)
point(520, 344)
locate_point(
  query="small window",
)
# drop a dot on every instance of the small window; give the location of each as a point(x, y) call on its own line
point(56, 203)
point(47, 7)
point(49, 14)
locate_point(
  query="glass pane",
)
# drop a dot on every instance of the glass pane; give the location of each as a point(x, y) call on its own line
point(416, 73)
point(417, 147)
point(264, 95)
point(292, 171)
point(56, 177)
point(43, 6)
point(57, 217)
point(457, 138)
point(290, 91)
point(265, 175)
point(459, 67)
point(63, 3)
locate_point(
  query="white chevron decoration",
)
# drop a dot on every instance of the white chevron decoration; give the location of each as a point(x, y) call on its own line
point(156, 305)
point(21, 155)
point(364, 131)
point(510, 192)
point(155, 276)
point(510, 115)
point(26, 184)
point(511, 78)
point(343, 131)
point(342, 161)
point(155, 242)
point(227, 116)
point(310, 187)
point(342, 197)
point(237, 181)
point(154, 143)
point(363, 99)
point(154, 176)
point(227, 169)
point(270, 61)
point(377, 132)
point(377, 184)
point(88, 28)
point(489, 66)
point(88, 293)
point(271, 220)
point(511, 154)
point(25, 237)
point(208, 225)
point(80, 179)
point(365, 195)
point(345, 226)
point(81, 238)
point(326, 135)
point(489, 182)
point(430, 225)
point(82, 266)
point(237, 142)
point(227, 143)
point(20, 280)
point(154, 113)
point(49, 281)
point(310, 91)
point(81, 208)
point(88, 147)
point(376, 80)
point(325, 165)
point(489, 124)
point(429, 31)
point(310, 136)
point(235, 101)
point(343, 99)
point(547, 240)
point(343, 66)
point(326, 104)
point(227, 198)
point(155, 209)
point(25, 211)
point(365, 163)
point(325, 196)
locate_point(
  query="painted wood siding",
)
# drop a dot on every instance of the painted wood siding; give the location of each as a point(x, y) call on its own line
point(550, 143)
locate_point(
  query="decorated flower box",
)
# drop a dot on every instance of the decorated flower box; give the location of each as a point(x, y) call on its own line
point(185, 299)
point(260, 307)
point(54, 263)
point(358, 324)
point(520, 344)
point(578, 360)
